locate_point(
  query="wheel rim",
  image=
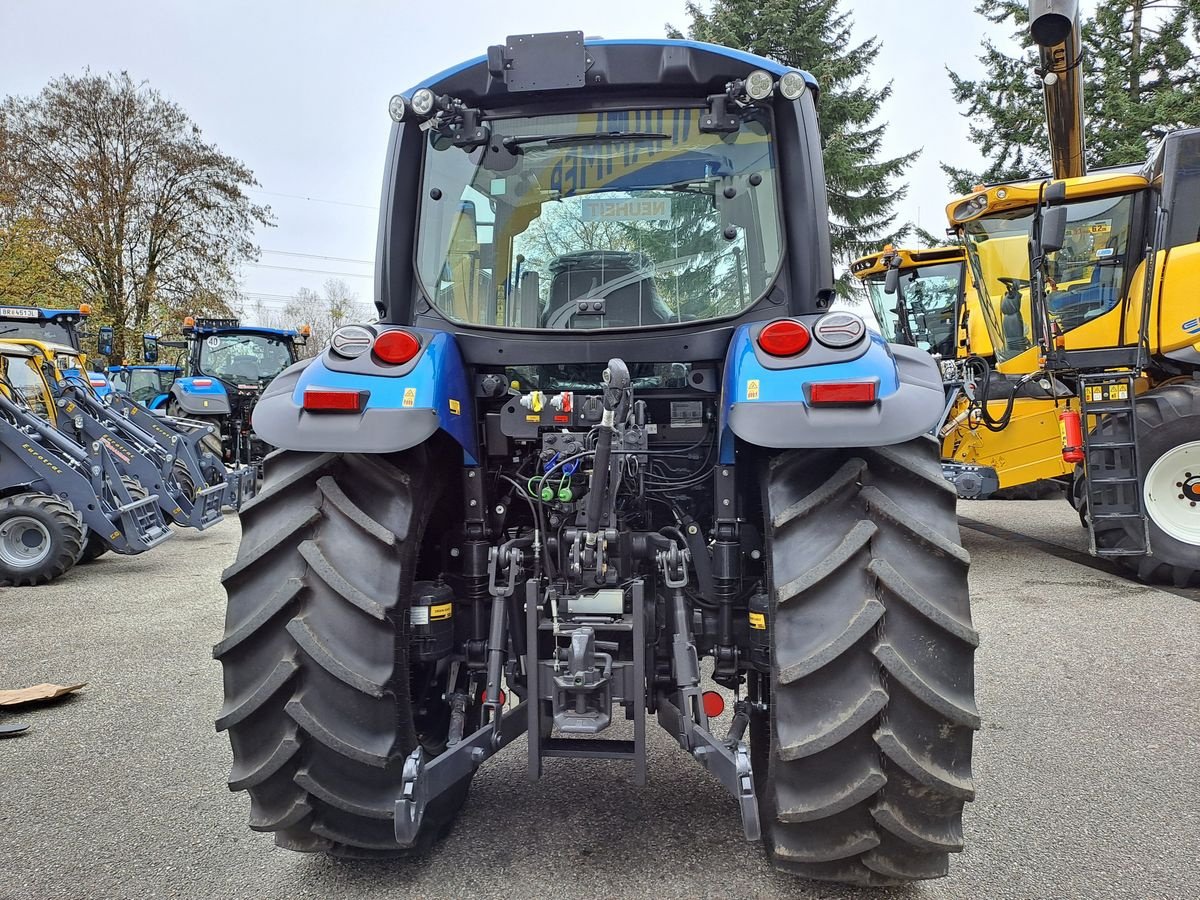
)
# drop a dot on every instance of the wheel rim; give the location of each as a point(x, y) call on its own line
point(1172, 492)
point(24, 542)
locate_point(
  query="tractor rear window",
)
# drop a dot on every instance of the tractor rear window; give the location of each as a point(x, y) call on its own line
point(600, 220)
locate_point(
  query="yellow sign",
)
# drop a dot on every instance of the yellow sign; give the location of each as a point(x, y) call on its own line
point(455, 407)
point(410, 397)
point(758, 621)
point(441, 611)
point(752, 389)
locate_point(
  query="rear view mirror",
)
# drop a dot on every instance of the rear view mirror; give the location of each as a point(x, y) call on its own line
point(104, 340)
point(149, 348)
point(891, 281)
point(1054, 229)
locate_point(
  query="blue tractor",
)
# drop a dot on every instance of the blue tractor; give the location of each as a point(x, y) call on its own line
point(226, 367)
point(606, 427)
point(148, 384)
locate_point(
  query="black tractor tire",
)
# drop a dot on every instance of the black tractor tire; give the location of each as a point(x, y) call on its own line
point(319, 699)
point(94, 547)
point(864, 760)
point(211, 441)
point(1167, 417)
point(45, 518)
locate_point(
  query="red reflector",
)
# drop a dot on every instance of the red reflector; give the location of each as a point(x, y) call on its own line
point(396, 347)
point(714, 704)
point(843, 392)
point(202, 382)
point(784, 338)
point(322, 400)
point(503, 697)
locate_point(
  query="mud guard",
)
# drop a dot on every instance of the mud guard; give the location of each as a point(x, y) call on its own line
point(200, 400)
point(766, 403)
point(406, 405)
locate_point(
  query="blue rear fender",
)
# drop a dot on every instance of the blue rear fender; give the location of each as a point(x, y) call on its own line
point(200, 396)
point(765, 401)
point(405, 405)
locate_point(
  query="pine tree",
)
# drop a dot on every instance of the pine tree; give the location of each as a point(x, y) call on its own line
point(815, 35)
point(1141, 78)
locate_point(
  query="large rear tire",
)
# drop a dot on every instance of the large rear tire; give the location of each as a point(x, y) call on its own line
point(41, 536)
point(318, 696)
point(864, 762)
point(1168, 428)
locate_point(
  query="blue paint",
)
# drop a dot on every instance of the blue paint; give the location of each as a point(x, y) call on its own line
point(787, 385)
point(759, 62)
point(438, 378)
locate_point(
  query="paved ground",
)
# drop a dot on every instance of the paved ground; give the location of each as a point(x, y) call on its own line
point(1086, 767)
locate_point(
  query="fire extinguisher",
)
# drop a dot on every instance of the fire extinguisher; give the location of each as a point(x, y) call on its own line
point(1071, 429)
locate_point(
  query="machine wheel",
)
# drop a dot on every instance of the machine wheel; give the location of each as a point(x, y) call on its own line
point(210, 442)
point(40, 538)
point(1168, 426)
point(318, 699)
point(864, 762)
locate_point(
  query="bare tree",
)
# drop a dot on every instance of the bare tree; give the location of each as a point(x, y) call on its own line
point(324, 312)
point(158, 220)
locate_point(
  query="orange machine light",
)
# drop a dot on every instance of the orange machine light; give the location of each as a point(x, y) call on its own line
point(189, 322)
point(305, 330)
point(85, 309)
point(1070, 427)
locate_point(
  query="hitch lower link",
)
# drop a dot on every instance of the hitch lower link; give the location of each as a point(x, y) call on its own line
point(425, 779)
point(727, 759)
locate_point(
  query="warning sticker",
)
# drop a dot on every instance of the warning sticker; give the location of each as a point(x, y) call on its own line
point(455, 408)
point(440, 612)
point(410, 397)
point(758, 621)
point(752, 389)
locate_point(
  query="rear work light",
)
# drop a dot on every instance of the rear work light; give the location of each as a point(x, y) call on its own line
point(784, 337)
point(396, 347)
point(329, 400)
point(842, 392)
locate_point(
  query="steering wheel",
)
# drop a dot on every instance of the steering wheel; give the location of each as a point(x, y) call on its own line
point(1014, 285)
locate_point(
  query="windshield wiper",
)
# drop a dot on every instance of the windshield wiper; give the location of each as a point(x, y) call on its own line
point(512, 143)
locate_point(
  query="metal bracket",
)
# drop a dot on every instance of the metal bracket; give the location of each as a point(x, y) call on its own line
point(424, 781)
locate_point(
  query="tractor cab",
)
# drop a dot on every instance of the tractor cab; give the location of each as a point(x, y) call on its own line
point(149, 385)
point(922, 308)
point(24, 381)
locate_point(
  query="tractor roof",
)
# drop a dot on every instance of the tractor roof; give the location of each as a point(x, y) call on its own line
point(31, 313)
point(652, 63)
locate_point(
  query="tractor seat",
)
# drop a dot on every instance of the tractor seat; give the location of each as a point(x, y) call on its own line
point(633, 303)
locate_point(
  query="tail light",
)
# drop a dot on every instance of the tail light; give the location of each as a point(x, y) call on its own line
point(396, 347)
point(842, 392)
point(784, 337)
point(329, 400)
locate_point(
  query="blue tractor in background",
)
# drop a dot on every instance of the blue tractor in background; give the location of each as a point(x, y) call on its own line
point(226, 366)
point(606, 427)
point(148, 384)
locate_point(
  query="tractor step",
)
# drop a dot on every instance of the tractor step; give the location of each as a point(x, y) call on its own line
point(1114, 486)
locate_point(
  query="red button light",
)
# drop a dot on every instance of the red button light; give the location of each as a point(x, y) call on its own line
point(843, 392)
point(784, 338)
point(396, 347)
point(324, 400)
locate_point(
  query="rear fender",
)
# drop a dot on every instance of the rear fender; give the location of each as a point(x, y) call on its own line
point(200, 399)
point(406, 405)
point(765, 403)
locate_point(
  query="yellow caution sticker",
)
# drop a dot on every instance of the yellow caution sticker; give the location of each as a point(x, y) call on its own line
point(440, 612)
point(533, 418)
point(455, 408)
point(752, 389)
point(758, 621)
point(205, 403)
point(410, 397)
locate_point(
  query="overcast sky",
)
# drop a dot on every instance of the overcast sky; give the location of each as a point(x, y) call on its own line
point(298, 89)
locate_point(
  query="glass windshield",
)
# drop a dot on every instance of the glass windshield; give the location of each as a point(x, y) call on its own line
point(600, 220)
point(244, 358)
point(50, 332)
point(1085, 279)
point(27, 383)
point(929, 295)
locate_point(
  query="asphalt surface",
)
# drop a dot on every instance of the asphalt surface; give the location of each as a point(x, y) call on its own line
point(1086, 767)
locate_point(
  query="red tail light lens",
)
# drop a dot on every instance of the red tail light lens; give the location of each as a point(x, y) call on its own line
point(714, 704)
point(396, 347)
point(784, 338)
point(842, 392)
point(326, 400)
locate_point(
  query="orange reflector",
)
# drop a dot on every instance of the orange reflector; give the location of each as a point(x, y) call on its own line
point(714, 704)
point(783, 338)
point(843, 392)
point(396, 347)
point(324, 400)
point(85, 309)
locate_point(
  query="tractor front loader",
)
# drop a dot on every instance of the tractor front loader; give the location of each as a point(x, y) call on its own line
point(53, 491)
point(606, 427)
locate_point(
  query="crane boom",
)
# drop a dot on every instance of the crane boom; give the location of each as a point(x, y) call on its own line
point(1054, 26)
